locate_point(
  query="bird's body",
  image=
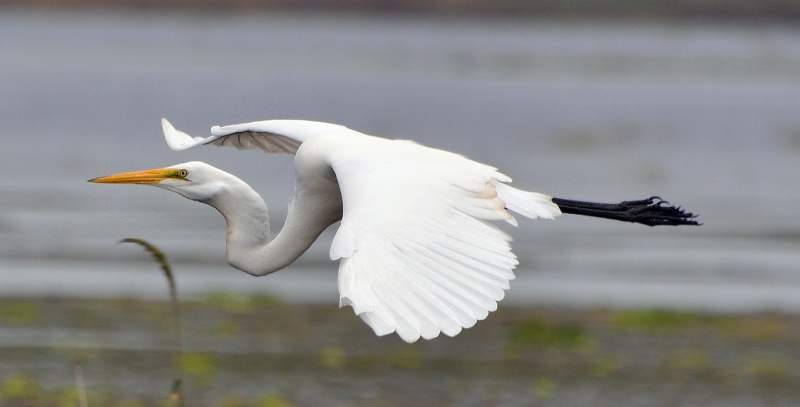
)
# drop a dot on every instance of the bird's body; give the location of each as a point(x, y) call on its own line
point(417, 255)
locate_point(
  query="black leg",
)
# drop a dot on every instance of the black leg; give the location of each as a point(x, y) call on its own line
point(652, 211)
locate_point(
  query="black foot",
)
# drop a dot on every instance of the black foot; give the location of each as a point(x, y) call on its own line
point(652, 211)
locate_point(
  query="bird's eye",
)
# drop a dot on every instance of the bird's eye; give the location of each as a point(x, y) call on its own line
point(183, 173)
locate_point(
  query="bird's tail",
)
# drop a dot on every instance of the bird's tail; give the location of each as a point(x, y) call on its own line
point(652, 211)
point(529, 204)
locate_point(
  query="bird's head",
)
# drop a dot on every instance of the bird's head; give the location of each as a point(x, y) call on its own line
point(194, 180)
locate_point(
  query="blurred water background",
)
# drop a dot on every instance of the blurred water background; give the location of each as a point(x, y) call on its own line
point(703, 111)
point(704, 114)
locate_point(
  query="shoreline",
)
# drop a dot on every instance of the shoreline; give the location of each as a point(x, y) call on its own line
point(239, 350)
point(679, 11)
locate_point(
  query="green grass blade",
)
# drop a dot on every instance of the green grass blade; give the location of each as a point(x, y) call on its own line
point(176, 392)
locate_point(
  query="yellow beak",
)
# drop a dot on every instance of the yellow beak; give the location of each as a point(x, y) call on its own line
point(136, 177)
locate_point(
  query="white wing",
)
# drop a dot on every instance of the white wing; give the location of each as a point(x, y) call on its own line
point(272, 136)
point(417, 255)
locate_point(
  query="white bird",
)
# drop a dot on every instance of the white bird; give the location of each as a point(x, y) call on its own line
point(417, 255)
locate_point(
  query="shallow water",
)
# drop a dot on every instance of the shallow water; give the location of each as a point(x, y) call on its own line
point(703, 115)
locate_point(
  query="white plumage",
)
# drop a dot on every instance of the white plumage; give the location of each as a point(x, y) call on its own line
point(416, 253)
point(417, 256)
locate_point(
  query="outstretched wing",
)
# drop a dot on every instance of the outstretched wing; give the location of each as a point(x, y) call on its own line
point(272, 136)
point(417, 255)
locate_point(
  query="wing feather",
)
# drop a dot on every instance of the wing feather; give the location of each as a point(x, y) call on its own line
point(453, 309)
point(417, 254)
point(453, 274)
point(272, 136)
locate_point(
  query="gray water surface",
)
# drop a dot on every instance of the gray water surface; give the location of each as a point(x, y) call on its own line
point(707, 116)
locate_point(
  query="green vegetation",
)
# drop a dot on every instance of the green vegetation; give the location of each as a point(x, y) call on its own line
point(766, 367)
point(199, 366)
point(332, 356)
point(238, 303)
point(19, 387)
point(20, 313)
point(544, 350)
point(547, 334)
point(654, 320)
point(687, 359)
point(255, 351)
point(544, 387)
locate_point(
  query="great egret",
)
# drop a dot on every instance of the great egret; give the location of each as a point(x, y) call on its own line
point(417, 256)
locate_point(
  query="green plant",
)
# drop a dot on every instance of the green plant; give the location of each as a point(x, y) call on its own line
point(176, 393)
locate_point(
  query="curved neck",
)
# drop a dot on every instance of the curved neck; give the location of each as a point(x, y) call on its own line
point(248, 241)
